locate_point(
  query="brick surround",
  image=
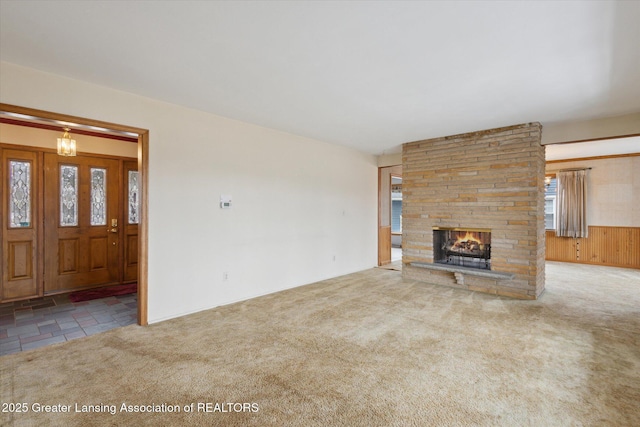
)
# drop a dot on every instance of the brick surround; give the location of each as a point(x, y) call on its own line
point(491, 179)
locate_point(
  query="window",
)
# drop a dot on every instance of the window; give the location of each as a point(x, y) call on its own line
point(396, 204)
point(133, 197)
point(68, 196)
point(98, 196)
point(550, 203)
point(396, 216)
point(19, 193)
point(550, 212)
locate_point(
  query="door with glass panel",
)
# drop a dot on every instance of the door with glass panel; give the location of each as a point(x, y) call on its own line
point(82, 222)
point(21, 224)
point(131, 219)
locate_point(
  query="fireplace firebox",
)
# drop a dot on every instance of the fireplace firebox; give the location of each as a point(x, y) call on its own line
point(462, 247)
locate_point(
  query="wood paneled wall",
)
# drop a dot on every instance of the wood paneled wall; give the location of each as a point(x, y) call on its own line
point(614, 246)
point(560, 248)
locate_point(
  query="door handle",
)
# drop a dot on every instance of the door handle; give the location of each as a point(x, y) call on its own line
point(113, 230)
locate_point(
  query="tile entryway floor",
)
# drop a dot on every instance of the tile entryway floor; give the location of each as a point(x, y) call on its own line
point(29, 324)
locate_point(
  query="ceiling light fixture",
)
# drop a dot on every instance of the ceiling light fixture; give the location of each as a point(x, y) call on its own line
point(66, 145)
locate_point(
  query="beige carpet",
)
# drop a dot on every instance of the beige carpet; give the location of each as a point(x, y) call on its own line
point(368, 349)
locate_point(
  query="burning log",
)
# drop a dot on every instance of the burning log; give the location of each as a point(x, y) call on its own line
point(467, 245)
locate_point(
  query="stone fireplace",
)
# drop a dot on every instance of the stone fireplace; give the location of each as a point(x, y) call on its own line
point(473, 211)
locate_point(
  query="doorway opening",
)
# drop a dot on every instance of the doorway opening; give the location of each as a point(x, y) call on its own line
point(389, 215)
point(35, 257)
point(396, 218)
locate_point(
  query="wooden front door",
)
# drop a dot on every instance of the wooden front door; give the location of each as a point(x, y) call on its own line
point(82, 218)
point(21, 215)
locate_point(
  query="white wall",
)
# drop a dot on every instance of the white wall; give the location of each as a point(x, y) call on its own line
point(607, 127)
point(613, 190)
point(385, 160)
point(297, 202)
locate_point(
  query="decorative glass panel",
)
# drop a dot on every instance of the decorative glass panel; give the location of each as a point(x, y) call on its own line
point(20, 194)
point(68, 196)
point(133, 197)
point(98, 196)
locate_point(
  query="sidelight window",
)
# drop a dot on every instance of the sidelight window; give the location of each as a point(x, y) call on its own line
point(134, 197)
point(20, 194)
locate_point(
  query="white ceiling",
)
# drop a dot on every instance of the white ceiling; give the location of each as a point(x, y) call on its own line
point(369, 75)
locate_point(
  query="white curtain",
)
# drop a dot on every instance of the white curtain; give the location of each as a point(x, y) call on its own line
point(572, 204)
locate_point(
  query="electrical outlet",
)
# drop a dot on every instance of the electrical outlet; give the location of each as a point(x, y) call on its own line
point(334, 258)
point(225, 276)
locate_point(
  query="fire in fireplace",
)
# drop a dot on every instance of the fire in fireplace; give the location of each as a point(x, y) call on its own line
point(462, 247)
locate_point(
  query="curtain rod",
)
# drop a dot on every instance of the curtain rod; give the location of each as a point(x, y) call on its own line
point(573, 169)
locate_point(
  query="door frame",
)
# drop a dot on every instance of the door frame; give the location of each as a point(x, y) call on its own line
point(391, 177)
point(385, 174)
point(143, 168)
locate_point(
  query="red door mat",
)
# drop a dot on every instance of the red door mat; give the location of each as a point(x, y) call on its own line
point(108, 291)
